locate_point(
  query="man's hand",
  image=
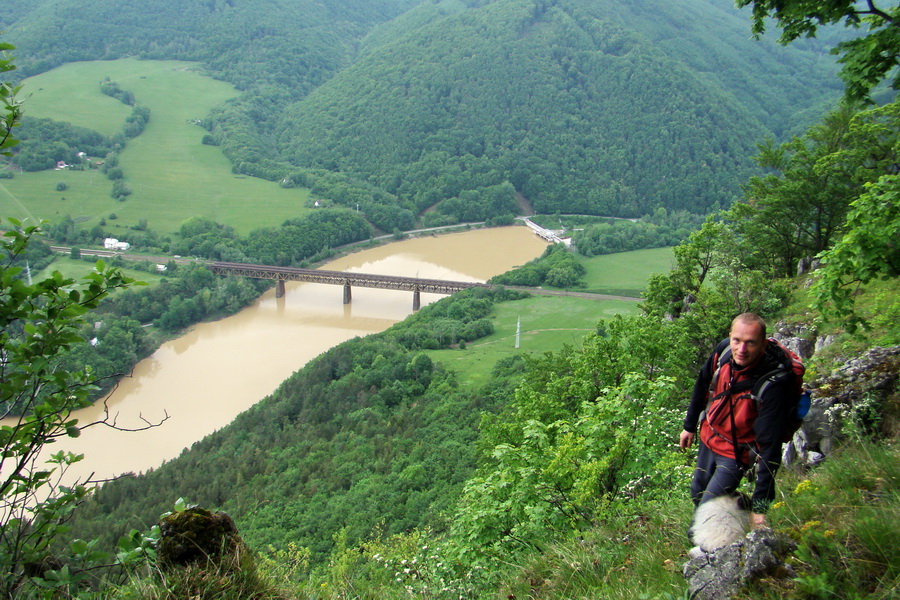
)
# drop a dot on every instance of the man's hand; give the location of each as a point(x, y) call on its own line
point(757, 520)
point(687, 440)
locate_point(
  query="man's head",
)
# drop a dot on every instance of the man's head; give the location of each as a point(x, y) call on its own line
point(748, 339)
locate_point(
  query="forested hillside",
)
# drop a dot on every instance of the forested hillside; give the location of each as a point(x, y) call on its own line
point(364, 475)
point(371, 434)
point(588, 106)
point(563, 99)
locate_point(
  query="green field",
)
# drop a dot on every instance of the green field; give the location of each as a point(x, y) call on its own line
point(625, 273)
point(172, 174)
point(77, 269)
point(547, 323)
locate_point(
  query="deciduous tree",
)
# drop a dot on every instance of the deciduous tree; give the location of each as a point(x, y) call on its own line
point(867, 60)
point(38, 322)
point(869, 250)
point(12, 111)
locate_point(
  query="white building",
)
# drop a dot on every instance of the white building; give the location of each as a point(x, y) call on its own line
point(114, 244)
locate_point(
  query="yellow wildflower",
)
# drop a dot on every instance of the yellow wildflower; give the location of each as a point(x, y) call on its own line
point(805, 486)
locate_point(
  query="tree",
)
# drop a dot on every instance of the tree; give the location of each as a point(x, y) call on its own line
point(867, 60)
point(582, 434)
point(798, 208)
point(869, 250)
point(38, 323)
point(12, 112)
point(802, 212)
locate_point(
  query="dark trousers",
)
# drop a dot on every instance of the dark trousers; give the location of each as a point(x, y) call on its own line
point(714, 476)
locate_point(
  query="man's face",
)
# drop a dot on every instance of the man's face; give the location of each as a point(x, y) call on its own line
point(747, 343)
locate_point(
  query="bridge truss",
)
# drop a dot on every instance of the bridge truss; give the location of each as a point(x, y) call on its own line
point(343, 278)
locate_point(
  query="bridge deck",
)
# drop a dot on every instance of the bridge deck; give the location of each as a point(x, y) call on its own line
point(388, 282)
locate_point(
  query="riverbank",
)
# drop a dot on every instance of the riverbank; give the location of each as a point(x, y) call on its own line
point(204, 378)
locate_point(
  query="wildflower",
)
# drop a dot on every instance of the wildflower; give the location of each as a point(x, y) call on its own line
point(811, 525)
point(804, 486)
point(778, 505)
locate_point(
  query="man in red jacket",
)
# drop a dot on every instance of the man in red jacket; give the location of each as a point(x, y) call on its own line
point(736, 431)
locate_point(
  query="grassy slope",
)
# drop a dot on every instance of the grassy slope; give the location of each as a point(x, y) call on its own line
point(173, 175)
point(626, 273)
point(549, 322)
point(77, 269)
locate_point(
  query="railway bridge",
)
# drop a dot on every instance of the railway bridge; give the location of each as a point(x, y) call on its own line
point(342, 278)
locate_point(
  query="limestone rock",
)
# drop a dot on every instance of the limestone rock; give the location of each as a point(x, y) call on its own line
point(870, 376)
point(724, 573)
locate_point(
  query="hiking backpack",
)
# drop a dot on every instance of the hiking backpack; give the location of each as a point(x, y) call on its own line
point(789, 365)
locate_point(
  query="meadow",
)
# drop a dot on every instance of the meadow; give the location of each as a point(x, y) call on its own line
point(625, 273)
point(78, 268)
point(172, 174)
point(547, 324)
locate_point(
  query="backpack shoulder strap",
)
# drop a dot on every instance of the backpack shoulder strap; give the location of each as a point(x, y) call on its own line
point(781, 367)
point(719, 360)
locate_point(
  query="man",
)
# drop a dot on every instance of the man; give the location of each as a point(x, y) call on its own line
point(737, 431)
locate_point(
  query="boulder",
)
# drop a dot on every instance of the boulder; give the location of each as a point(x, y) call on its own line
point(197, 535)
point(724, 573)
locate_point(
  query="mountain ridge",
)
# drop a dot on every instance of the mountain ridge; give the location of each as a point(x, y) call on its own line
point(578, 105)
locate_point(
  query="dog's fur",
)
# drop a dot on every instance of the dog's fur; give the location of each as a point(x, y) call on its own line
point(720, 522)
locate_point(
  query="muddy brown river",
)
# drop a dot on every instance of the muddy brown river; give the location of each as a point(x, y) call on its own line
point(205, 378)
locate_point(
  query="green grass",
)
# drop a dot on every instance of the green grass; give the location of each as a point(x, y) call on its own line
point(625, 273)
point(845, 518)
point(548, 322)
point(172, 174)
point(77, 269)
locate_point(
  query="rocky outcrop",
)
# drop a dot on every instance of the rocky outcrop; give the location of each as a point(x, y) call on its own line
point(197, 535)
point(853, 394)
point(856, 388)
point(724, 573)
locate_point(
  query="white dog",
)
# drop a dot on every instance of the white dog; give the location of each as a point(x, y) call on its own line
point(719, 522)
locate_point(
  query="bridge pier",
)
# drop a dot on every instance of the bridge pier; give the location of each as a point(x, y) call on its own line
point(347, 296)
point(417, 303)
point(279, 288)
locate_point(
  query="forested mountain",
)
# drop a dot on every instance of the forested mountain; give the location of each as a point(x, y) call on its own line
point(589, 106)
point(563, 99)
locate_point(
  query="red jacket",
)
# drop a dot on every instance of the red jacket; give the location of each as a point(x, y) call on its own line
point(756, 424)
point(731, 416)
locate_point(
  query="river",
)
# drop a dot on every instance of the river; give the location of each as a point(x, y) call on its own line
point(204, 379)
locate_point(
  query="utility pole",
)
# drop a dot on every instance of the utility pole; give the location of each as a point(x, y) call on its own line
point(518, 330)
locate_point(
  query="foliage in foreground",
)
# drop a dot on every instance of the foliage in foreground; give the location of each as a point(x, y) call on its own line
point(38, 322)
point(843, 516)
